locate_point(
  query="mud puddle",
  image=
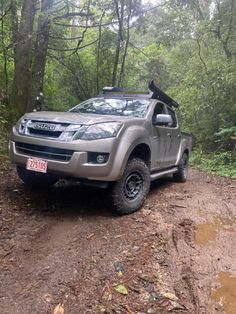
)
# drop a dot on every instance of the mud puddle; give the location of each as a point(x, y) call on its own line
point(206, 232)
point(226, 294)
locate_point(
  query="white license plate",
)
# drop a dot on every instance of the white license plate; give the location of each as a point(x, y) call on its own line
point(37, 164)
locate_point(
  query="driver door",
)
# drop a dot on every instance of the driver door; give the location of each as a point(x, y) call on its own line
point(161, 140)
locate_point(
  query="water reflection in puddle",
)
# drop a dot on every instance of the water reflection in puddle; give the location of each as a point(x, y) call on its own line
point(226, 294)
point(206, 232)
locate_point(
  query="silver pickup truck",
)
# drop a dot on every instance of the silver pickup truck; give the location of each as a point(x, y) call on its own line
point(118, 140)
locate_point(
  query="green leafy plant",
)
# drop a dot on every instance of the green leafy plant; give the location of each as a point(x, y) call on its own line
point(3, 130)
point(222, 163)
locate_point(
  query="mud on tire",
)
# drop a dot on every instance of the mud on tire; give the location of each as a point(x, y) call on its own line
point(182, 173)
point(34, 179)
point(129, 193)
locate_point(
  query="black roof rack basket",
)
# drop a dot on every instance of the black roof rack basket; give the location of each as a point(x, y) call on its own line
point(159, 94)
point(155, 93)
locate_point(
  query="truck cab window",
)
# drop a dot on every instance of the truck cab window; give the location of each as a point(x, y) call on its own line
point(172, 114)
point(159, 109)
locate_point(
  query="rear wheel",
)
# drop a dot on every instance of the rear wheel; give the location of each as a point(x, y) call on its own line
point(35, 179)
point(182, 173)
point(129, 193)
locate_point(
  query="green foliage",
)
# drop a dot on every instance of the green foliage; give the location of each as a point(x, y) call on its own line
point(222, 164)
point(3, 129)
point(192, 63)
point(59, 95)
point(223, 136)
point(188, 48)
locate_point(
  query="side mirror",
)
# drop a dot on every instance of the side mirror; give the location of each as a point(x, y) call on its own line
point(163, 120)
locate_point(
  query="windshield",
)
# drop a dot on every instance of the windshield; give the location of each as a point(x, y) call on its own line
point(114, 106)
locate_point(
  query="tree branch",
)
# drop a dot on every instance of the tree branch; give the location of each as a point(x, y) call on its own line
point(132, 45)
point(200, 55)
point(73, 49)
point(72, 14)
point(6, 12)
point(65, 38)
point(88, 26)
point(230, 21)
point(72, 71)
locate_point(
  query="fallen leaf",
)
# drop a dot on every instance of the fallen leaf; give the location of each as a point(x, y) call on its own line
point(48, 297)
point(59, 309)
point(93, 259)
point(119, 273)
point(118, 236)
point(90, 236)
point(128, 309)
point(106, 293)
point(170, 296)
point(121, 289)
point(101, 308)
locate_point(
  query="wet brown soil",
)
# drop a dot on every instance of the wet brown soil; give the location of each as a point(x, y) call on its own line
point(226, 294)
point(64, 251)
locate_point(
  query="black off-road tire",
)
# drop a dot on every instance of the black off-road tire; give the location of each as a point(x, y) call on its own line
point(35, 179)
point(129, 193)
point(182, 173)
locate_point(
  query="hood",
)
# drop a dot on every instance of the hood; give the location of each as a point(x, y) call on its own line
point(74, 118)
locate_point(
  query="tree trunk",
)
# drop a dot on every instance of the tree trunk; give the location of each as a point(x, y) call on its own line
point(120, 16)
point(122, 70)
point(40, 55)
point(22, 59)
point(2, 37)
point(98, 50)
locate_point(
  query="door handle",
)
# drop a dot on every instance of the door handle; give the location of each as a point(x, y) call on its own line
point(168, 134)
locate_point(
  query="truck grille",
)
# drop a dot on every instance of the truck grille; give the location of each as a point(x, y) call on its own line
point(45, 129)
point(44, 151)
point(54, 134)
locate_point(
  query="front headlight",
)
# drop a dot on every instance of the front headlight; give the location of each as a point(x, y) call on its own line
point(21, 125)
point(101, 130)
point(69, 132)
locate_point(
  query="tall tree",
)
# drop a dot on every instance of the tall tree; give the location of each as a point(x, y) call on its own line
point(40, 53)
point(22, 57)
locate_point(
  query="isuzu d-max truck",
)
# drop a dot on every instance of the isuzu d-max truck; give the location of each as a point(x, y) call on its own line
point(118, 140)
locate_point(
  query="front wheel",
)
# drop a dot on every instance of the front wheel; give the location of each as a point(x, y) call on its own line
point(35, 179)
point(129, 193)
point(182, 173)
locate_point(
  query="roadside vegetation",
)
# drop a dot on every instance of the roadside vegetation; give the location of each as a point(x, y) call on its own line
point(222, 164)
point(69, 50)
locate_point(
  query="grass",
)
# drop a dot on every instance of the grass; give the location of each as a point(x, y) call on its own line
point(222, 164)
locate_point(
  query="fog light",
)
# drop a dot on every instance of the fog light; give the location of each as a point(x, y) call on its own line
point(97, 158)
point(100, 159)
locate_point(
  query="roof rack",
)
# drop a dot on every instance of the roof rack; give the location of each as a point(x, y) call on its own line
point(155, 93)
point(110, 91)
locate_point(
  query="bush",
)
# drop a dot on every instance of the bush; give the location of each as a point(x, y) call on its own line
point(3, 130)
point(222, 164)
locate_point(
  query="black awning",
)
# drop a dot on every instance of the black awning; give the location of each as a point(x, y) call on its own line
point(159, 94)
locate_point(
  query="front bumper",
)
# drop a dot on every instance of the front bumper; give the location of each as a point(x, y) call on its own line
point(77, 166)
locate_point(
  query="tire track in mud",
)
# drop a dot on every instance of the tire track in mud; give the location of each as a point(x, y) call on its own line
point(65, 246)
point(185, 231)
point(179, 242)
point(195, 268)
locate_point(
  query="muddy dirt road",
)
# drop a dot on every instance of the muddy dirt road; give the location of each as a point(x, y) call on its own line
point(65, 246)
